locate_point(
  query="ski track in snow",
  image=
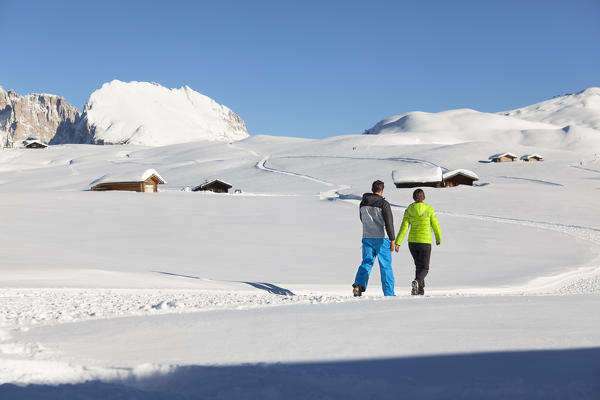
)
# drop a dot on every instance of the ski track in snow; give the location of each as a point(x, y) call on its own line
point(539, 181)
point(583, 280)
point(262, 165)
point(402, 159)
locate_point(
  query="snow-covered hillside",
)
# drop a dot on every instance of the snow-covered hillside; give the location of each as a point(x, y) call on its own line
point(580, 109)
point(567, 122)
point(149, 114)
point(179, 294)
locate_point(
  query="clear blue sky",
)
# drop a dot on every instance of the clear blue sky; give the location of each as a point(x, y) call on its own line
point(308, 68)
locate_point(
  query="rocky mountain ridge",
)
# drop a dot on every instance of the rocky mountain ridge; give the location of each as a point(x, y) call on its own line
point(38, 115)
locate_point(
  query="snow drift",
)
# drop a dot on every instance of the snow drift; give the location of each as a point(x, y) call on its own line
point(149, 114)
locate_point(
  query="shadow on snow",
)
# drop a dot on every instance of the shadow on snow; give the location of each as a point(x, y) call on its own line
point(268, 287)
point(569, 374)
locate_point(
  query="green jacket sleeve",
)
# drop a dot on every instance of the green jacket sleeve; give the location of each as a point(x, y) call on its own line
point(403, 228)
point(437, 231)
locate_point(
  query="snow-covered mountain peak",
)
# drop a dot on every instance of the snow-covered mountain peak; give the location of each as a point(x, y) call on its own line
point(581, 109)
point(147, 113)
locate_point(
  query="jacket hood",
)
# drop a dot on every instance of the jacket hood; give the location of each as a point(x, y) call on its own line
point(371, 198)
point(419, 208)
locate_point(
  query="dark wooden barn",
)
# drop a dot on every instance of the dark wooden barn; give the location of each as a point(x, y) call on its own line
point(34, 144)
point(216, 186)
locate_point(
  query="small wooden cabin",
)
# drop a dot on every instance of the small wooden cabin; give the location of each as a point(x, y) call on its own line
point(217, 186)
point(503, 157)
point(459, 177)
point(532, 157)
point(148, 181)
point(34, 144)
point(417, 175)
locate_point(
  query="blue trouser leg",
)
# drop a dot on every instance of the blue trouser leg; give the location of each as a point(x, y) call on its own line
point(368, 258)
point(384, 256)
point(379, 248)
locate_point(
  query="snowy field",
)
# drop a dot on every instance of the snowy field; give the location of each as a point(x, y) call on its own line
point(179, 294)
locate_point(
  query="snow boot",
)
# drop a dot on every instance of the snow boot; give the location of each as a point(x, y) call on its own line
point(414, 288)
point(357, 291)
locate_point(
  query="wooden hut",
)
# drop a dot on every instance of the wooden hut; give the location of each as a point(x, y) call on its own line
point(34, 144)
point(503, 157)
point(459, 177)
point(148, 181)
point(217, 186)
point(532, 157)
point(417, 175)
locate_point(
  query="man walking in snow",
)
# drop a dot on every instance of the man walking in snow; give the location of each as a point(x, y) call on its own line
point(377, 220)
point(420, 217)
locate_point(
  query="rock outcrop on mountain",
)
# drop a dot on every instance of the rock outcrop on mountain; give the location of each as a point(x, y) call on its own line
point(149, 114)
point(40, 116)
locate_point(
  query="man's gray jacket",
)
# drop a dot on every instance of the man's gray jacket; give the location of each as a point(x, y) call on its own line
point(376, 216)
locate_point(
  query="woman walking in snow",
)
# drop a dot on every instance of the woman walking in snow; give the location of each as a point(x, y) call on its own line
point(420, 218)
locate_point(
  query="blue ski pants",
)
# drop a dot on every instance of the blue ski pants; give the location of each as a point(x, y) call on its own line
point(379, 248)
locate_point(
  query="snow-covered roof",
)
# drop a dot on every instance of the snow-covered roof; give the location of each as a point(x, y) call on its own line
point(503, 155)
point(528, 156)
point(464, 172)
point(416, 172)
point(128, 176)
point(27, 142)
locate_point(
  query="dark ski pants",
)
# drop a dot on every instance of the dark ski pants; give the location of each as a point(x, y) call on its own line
point(421, 253)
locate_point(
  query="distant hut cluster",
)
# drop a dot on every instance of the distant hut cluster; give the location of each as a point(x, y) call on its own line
point(420, 175)
point(510, 157)
point(148, 182)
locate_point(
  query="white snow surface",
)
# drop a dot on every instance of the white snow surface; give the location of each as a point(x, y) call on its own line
point(176, 294)
point(149, 114)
